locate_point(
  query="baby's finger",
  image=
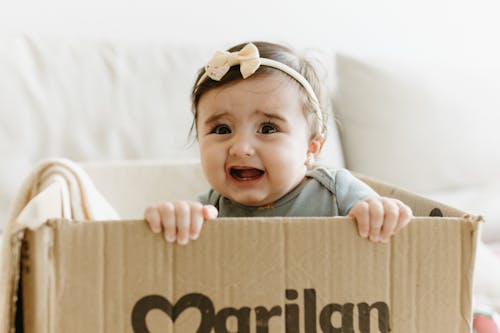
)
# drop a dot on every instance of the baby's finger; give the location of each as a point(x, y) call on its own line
point(167, 213)
point(376, 219)
point(210, 212)
point(183, 219)
point(361, 212)
point(196, 220)
point(405, 215)
point(391, 212)
point(153, 219)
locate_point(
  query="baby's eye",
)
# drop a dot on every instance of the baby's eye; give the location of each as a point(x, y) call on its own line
point(221, 129)
point(268, 128)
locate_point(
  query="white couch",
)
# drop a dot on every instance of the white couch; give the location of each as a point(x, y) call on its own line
point(430, 128)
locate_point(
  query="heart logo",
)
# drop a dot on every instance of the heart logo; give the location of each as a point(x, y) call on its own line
point(194, 300)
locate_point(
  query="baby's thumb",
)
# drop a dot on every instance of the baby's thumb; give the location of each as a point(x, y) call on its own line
point(210, 212)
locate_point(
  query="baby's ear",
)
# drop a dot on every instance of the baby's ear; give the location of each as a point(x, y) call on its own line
point(315, 146)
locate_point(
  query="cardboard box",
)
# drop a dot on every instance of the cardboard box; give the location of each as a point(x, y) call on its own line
point(306, 275)
point(247, 275)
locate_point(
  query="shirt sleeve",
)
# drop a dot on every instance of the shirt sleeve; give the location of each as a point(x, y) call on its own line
point(349, 190)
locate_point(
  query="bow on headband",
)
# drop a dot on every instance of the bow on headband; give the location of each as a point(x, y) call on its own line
point(248, 58)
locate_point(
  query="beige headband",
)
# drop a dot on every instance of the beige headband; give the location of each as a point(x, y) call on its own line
point(249, 60)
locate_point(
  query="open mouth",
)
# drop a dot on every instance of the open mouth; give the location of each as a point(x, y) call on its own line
point(245, 174)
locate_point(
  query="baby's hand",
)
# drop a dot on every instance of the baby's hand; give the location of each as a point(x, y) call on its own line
point(180, 221)
point(380, 218)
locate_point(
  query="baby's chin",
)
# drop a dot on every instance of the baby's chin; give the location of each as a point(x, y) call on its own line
point(253, 197)
point(249, 200)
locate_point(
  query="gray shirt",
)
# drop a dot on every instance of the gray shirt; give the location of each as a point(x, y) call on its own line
point(324, 192)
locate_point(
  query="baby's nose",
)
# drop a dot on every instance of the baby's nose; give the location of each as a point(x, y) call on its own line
point(241, 147)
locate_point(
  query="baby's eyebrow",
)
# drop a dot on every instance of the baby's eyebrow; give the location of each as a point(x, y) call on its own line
point(215, 117)
point(274, 116)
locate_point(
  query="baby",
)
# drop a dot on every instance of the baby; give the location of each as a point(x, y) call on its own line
point(260, 127)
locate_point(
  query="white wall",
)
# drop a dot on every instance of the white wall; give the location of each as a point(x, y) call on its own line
point(439, 29)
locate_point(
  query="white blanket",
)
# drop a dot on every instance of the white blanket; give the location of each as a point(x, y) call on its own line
point(56, 188)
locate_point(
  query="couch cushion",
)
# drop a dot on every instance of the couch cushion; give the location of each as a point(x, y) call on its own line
point(91, 100)
point(421, 126)
point(130, 186)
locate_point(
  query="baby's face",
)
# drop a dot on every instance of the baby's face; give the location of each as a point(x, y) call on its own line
point(254, 139)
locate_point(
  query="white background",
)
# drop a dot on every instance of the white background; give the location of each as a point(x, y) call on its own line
point(440, 30)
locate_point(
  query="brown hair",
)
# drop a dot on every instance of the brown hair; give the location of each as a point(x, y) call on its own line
point(286, 56)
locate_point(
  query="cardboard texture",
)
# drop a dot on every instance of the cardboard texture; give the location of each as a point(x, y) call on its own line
point(307, 275)
point(249, 275)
